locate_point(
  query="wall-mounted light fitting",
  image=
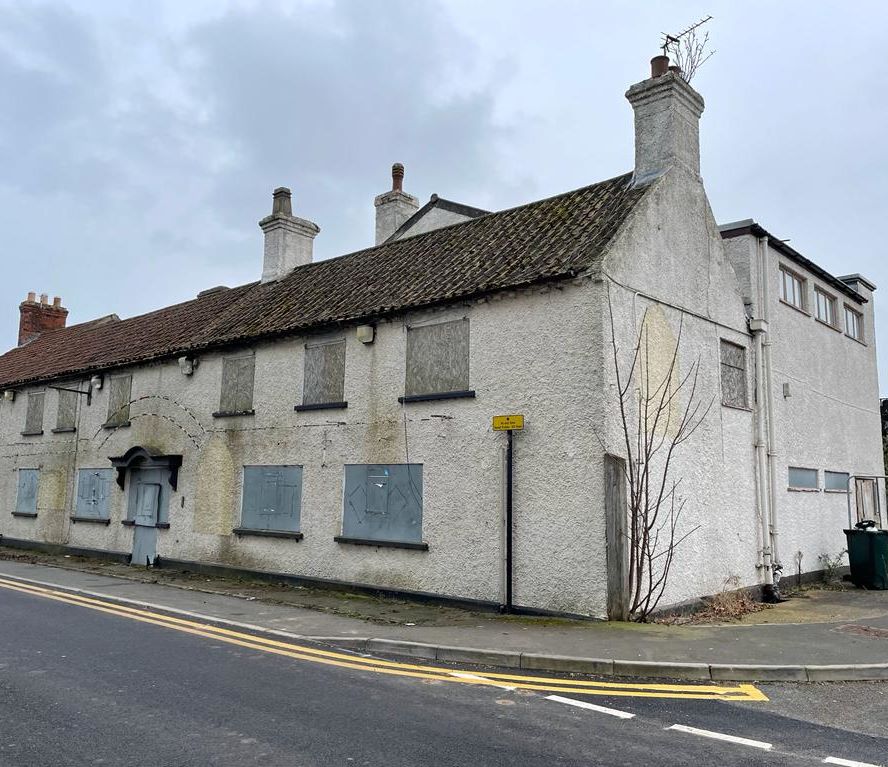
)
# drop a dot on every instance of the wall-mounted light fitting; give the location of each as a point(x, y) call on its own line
point(786, 391)
point(187, 365)
point(96, 382)
point(365, 333)
point(9, 395)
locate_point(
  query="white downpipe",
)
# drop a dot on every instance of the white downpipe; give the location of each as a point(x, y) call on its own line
point(761, 461)
point(769, 401)
point(762, 470)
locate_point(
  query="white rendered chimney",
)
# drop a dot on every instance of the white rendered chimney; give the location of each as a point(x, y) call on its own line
point(288, 239)
point(667, 122)
point(395, 207)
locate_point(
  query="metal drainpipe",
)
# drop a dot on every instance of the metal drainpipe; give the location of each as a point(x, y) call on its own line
point(769, 402)
point(761, 455)
point(759, 329)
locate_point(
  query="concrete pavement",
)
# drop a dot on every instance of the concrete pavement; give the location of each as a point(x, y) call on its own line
point(851, 646)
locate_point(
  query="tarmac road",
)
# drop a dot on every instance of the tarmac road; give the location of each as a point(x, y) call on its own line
point(83, 686)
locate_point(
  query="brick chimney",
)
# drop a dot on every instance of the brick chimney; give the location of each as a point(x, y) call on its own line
point(395, 207)
point(667, 122)
point(36, 317)
point(288, 239)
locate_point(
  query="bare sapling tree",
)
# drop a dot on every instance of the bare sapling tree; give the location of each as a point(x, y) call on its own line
point(689, 49)
point(659, 413)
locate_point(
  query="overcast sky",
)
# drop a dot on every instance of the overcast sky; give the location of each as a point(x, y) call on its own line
point(140, 141)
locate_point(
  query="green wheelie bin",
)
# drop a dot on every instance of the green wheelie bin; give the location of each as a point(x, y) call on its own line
point(868, 556)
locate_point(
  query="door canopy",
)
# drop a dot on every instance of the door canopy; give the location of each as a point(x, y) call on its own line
point(146, 458)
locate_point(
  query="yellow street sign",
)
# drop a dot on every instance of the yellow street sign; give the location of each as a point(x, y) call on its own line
point(508, 422)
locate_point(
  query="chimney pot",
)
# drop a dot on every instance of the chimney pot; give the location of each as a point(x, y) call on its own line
point(675, 69)
point(57, 302)
point(282, 201)
point(32, 297)
point(659, 66)
point(44, 299)
point(397, 177)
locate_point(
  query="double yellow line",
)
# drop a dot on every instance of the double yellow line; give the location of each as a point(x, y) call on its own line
point(742, 692)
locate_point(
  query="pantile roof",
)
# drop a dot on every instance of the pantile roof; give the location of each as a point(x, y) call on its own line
point(550, 239)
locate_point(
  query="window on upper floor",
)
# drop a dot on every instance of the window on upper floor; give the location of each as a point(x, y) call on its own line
point(792, 289)
point(733, 375)
point(324, 378)
point(802, 479)
point(34, 413)
point(66, 413)
point(119, 392)
point(237, 385)
point(438, 361)
point(826, 307)
point(853, 323)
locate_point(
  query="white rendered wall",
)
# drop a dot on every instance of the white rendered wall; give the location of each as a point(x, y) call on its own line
point(531, 353)
point(670, 253)
point(830, 421)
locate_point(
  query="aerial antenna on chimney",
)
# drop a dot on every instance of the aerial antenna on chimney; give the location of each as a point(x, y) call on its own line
point(688, 49)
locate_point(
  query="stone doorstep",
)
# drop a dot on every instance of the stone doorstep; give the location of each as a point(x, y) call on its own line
point(535, 661)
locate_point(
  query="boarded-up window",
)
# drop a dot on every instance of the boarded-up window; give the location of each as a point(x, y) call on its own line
point(383, 502)
point(802, 479)
point(272, 497)
point(237, 384)
point(835, 480)
point(34, 414)
point(119, 401)
point(67, 412)
point(437, 358)
point(26, 500)
point(324, 373)
point(93, 489)
point(733, 374)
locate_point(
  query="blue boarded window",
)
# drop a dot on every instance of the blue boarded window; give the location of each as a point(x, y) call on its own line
point(26, 499)
point(93, 490)
point(272, 498)
point(383, 502)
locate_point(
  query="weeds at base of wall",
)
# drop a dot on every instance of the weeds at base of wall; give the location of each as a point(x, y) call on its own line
point(730, 604)
point(832, 567)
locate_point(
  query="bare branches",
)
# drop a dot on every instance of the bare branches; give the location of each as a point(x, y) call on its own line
point(688, 49)
point(651, 436)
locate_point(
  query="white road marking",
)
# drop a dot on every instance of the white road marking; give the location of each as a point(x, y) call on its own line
point(464, 675)
point(847, 762)
point(591, 707)
point(721, 736)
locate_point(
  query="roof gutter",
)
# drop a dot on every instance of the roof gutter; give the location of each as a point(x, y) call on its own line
point(749, 226)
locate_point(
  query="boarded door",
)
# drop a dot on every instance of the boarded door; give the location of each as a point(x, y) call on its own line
point(866, 500)
point(145, 522)
point(617, 559)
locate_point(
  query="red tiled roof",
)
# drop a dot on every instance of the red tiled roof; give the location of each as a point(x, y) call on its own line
point(545, 240)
